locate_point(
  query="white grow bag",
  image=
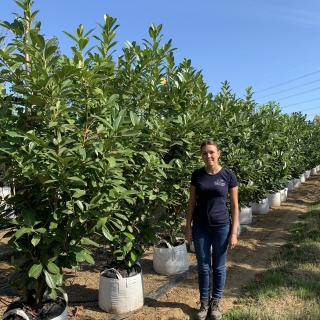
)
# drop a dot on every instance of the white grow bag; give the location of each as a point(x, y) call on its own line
point(261, 207)
point(245, 215)
point(313, 171)
point(120, 295)
point(21, 314)
point(307, 174)
point(283, 194)
point(290, 185)
point(303, 177)
point(296, 183)
point(274, 199)
point(171, 260)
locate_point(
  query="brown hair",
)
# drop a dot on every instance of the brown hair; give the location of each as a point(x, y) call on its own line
point(209, 142)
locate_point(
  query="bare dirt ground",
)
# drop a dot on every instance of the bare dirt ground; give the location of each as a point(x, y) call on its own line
point(257, 244)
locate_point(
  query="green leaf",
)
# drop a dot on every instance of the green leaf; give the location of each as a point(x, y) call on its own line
point(112, 162)
point(107, 233)
point(89, 258)
point(78, 193)
point(71, 36)
point(118, 224)
point(162, 173)
point(33, 138)
point(146, 156)
point(133, 255)
point(89, 242)
point(80, 205)
point(134, 118)
point(35, 240)
point(41, 230)
point(22, 231)
point(50, 280)
point(19, 89)
point(32, 283)
point(84, 256)
point(53, 268)
point(77, 180)
point(129, 133)
point(129, 235)
point(14, 134)
point(118, 121)
point(96, 199)
point(121, 216)
point(52, 293)
point(28, 217)
point(35, 271)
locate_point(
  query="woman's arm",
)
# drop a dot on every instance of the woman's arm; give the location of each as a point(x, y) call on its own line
point(191, 205)
point(233, 239)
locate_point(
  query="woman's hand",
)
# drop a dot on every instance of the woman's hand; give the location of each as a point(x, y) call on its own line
point(188, 235)
point(233, 240)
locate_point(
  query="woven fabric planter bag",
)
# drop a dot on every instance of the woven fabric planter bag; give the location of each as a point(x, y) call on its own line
point(52, 310)
point(296, 183)
point(274, 199)
point(290, 185)
point(307, 173)
point(120, 295)
point(261, 207)
point(283, 194)
point(245, 215)
point(170, 260)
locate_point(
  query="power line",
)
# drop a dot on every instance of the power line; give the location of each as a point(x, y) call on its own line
point(302, 85)
point(314, 114)
point(298, 94)
point(288, 69)
point(309, 109)
point(294, 104)
point(307, 75)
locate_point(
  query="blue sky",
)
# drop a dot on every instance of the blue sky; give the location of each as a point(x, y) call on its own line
point(270, 45)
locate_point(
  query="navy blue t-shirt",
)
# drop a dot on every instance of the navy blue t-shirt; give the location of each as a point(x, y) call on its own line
point(212, 193)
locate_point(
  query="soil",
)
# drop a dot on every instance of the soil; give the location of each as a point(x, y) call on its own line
point(165, 297)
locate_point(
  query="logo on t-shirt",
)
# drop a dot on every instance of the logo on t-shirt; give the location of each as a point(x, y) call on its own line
point(220, 182)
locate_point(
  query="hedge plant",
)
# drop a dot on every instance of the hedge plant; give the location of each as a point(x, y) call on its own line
point(101, 149)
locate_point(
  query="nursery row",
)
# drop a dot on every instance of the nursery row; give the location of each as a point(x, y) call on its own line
point(98, 149)
point(273, 199)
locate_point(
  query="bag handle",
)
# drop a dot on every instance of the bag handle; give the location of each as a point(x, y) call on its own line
point(171, 253)
point(118, 274)
point(17, 311)
point(165, 242)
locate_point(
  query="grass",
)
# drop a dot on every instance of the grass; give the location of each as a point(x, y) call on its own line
point(290, 289)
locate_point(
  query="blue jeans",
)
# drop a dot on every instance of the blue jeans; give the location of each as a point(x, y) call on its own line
point(204, 238)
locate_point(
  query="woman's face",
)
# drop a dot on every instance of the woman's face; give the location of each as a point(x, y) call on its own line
point(210, 155)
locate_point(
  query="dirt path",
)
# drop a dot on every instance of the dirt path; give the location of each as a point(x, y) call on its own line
point(257, 244)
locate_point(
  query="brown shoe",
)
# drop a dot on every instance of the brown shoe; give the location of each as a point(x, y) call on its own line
point(215, 309)
point(204, 310)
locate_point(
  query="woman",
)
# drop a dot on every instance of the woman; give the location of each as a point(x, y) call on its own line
point(212, 229)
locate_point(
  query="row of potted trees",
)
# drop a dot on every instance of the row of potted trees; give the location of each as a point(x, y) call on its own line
point(100, 150)
point(275, 198)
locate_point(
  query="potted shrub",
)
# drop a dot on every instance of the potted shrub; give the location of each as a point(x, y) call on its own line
point(67, 150)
